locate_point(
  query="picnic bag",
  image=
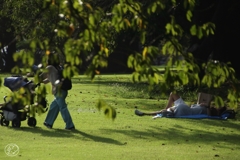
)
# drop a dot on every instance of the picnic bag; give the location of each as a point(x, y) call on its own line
point(229, 114)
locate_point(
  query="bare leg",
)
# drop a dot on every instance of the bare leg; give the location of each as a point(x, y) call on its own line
point(139, 113)
point(172, 97)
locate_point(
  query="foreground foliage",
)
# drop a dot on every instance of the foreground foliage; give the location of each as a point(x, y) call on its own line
point(79, 30)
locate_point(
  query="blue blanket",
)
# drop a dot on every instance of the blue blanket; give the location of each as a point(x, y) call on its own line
point(199, 116)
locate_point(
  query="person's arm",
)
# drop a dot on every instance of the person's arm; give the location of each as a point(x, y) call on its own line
point(44, 77)
point(203, 104)
point(45, 81)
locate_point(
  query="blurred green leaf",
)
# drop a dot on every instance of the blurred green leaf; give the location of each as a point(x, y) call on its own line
point(193, 30)
point(108, 110)
point(189, 15)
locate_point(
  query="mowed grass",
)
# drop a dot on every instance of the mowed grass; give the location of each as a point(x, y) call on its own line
point(128, 137)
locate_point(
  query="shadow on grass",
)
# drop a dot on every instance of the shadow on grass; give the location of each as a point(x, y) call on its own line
point(99, 139)
point(218, 132)
point(66, 134)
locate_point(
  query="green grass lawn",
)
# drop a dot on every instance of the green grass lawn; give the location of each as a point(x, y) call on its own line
point(128, 137)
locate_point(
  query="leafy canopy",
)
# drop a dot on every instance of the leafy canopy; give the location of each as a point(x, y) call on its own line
point(83, 27)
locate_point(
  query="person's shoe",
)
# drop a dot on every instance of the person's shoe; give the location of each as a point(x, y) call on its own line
point(70, 129)
point(47, 125)
point(139, 113)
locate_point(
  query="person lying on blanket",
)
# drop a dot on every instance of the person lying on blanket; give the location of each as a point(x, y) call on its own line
point(178, 107)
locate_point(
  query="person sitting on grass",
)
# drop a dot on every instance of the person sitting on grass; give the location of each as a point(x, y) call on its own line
point(178, 107)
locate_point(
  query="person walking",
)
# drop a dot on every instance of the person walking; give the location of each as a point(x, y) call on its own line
point(59, 103)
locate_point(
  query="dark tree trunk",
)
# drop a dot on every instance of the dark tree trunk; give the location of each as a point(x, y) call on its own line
point(7, 38)
point(10, 63)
